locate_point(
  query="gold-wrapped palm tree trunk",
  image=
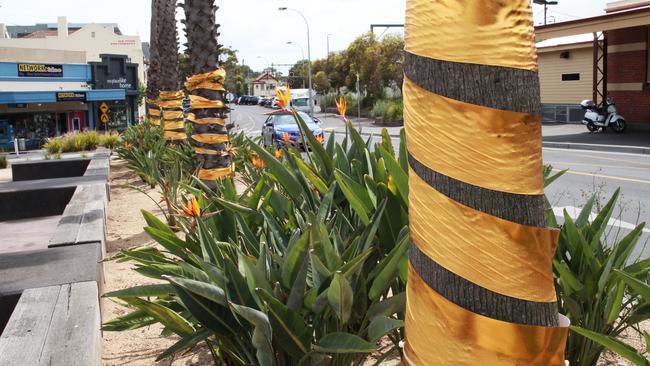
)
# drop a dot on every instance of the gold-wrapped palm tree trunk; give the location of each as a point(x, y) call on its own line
point(480, 289)
point(206, 92)
point(170, 97)
point(153, 73)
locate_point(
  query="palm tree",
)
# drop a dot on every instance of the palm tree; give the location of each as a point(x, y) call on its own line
point(153, 74)
point(480, 286)
point(205, 86)
point(171, 98)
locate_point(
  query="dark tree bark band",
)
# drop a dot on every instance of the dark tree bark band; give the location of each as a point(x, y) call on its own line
point(518, 208)
point(495, 87)
point(490, 304)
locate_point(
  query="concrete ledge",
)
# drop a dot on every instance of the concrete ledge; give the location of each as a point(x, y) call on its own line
point(55, 325)
point(47, 169)
point(20, 271)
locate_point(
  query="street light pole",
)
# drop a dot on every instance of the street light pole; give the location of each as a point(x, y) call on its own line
point(311, 97)
point(302, 51)
point(328, 49)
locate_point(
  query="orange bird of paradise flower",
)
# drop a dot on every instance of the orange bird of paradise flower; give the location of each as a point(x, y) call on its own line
point(284, 98)
point(286, 137)
point(320, 138)
point(278, 154)
point(257, 162)
point(192, 209)
point(342, 106)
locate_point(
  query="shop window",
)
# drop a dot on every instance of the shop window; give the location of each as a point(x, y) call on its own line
point(571, 77)
point(76, 124)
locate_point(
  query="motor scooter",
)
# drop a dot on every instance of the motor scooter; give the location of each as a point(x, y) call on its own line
point(602, 117)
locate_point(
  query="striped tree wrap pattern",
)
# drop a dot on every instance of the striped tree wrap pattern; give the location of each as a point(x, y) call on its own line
point(153, 111)
point(172, 116)
point(208, 116)
point(480, 287)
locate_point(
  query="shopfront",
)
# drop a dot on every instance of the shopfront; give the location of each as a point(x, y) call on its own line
point(38, 101)
point(112, 73)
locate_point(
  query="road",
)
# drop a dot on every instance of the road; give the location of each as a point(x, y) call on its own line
point(589, 172)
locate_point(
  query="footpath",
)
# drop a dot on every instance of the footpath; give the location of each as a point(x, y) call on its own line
point(635, 139)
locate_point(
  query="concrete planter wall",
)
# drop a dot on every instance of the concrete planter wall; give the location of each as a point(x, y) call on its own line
point(49, 298)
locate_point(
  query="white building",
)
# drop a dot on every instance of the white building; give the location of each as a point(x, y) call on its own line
point(265, 85)
point(91, 38)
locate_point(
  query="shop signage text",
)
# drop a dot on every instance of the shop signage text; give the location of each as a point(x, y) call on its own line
point(120, 83)
point(40, 70)
point(70, 97)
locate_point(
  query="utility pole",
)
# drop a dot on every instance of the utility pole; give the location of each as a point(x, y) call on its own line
point(358, 102)
point(328, 50)
point(546, 3)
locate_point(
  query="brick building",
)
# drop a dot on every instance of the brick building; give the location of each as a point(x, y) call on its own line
point(596, 57)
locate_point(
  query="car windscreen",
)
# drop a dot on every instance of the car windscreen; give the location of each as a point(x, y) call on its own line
point(288, 119)
point(300, 102)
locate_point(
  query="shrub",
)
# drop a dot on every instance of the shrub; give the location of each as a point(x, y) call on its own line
point(3, 162)
point(379, 109)
point(53, 145)
point(307, 264)
point(109, 140)
point(388, 110)
point(599, 284)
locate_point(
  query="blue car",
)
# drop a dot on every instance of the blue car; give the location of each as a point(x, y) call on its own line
point(281, 128)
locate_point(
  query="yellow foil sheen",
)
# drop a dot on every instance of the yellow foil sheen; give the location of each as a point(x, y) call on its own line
point(200, 150)
point(496, 32)
point(178, 94)
point(486, 147)
point(499, 255)
point(173, 114)
point(175, 103)
point(174, 125)
point(172, 135)
point(210, 138)
point(217, 76)
point(154, 111)
point(200, 102)
point(206, 84)
point(214, 174)
point(154, 121)
point(440, 333)
point(205, 121)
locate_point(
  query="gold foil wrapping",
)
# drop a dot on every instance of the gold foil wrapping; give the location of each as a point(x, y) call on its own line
point(486, 147)
point(488, 32)
point(210, 138)
point(499, 255)
point(215, 174)
point(197, 102)
point(154, 112)
point(441, 333)
point(174, 136)
point(210, 80)
point(205, 121)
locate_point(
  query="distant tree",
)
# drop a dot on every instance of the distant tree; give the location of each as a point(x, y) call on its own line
point(320, 83)
point(298, 74)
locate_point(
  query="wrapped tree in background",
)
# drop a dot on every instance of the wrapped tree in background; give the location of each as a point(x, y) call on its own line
point(153, 73)
point(206, 91)
point(480, 287)
point(170, 97)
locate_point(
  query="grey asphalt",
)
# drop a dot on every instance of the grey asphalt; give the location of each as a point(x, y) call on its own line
point(589, 172)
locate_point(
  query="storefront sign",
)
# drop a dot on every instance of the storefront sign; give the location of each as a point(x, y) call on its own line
point(70, 97)
point(40, 70)
point(120, 83)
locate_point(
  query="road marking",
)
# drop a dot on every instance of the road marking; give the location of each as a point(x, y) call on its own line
point(595, 165)
point(606, 176)
point(580, 152)
point(616, 160)
point(574, 212)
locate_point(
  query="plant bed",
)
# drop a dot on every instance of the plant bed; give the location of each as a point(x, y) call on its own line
point(379, 121)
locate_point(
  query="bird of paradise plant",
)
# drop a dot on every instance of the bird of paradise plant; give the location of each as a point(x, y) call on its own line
point(284, 97)
point(278, 154)
point(342, 106)
point(257, 162)
point(286, 137)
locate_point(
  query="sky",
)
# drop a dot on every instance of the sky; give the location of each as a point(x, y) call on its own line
point(255, 28)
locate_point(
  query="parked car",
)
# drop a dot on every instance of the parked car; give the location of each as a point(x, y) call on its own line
point(281, 128)
point(262, 101)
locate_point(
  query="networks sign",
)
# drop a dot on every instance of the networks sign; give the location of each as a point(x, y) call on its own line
point(40, 70)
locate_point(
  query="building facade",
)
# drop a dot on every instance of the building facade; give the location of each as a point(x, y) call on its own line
point(265, 85)
point(42, 100)
point(595, 58)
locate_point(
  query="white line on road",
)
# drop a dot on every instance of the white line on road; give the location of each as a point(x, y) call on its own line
point(575, 212)
point(642, 181)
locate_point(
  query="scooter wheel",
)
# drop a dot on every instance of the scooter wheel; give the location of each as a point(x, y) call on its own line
point(592, 127)
point(619, 126)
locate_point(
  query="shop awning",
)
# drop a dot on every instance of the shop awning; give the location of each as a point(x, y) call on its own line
point(52, 96)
